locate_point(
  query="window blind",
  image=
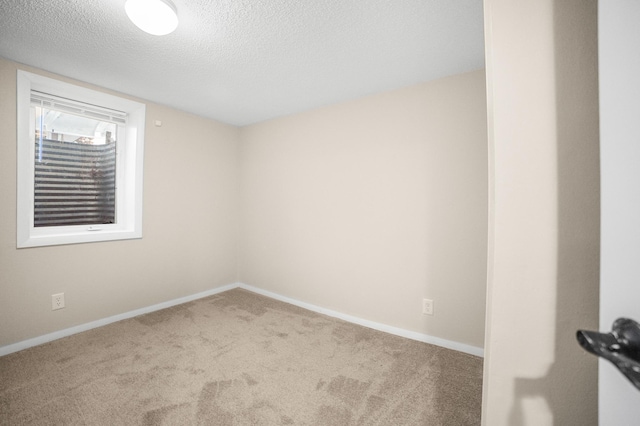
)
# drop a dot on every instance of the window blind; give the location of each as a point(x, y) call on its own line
point(95, 112)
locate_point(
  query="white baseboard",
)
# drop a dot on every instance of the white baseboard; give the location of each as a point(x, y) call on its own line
point(25, 344)
point(460, 347)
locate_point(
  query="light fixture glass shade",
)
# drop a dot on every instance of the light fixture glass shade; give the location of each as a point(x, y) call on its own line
point(157, 17)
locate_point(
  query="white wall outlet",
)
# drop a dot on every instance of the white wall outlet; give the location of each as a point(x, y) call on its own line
point(57, 301)
point(427, 307)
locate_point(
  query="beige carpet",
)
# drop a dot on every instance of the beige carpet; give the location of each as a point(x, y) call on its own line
point(238, 358)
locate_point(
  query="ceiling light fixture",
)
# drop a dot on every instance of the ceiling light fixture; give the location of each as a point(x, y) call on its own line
point(157, 17)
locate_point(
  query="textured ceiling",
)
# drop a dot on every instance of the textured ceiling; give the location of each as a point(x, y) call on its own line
point(245, 61)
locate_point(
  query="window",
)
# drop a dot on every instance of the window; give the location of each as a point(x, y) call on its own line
point(80, 159)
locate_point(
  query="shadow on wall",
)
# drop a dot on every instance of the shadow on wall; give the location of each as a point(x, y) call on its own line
point(570, 386)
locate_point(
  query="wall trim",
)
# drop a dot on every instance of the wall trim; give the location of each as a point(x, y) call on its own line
point(25, 344)
point(456, 346)
point(425, 338)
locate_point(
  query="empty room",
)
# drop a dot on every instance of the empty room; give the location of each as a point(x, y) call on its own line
point(311, 213)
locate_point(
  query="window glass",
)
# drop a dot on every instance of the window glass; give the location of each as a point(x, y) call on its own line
point(75, 169)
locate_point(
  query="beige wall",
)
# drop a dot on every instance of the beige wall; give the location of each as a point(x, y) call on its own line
point(544, 212)
point(369, 206)
point(189, 225)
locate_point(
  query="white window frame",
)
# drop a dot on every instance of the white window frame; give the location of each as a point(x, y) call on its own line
point(129, 171)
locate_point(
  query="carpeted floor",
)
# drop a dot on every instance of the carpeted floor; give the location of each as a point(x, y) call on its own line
point(238, 358)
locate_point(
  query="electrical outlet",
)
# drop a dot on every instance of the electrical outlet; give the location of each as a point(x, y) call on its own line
point(427, 307)
point(57, 301)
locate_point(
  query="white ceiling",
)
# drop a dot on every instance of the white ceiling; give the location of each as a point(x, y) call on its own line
point(245, 61)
